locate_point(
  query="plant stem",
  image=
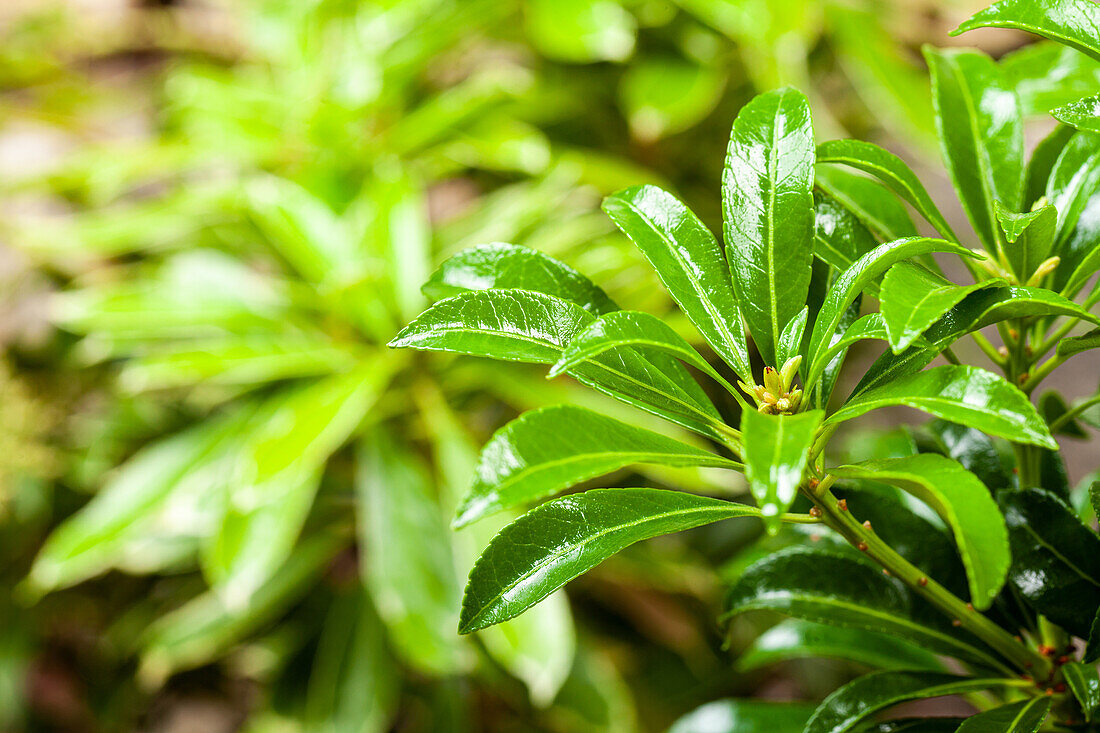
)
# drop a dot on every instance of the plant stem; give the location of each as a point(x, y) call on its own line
point(1051, 341)
point(865, 539)
point(1074, 412)
point(1042, 372)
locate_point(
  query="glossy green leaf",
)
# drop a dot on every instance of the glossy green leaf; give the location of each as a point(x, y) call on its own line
point(1084, 269)
point(501, 266)
point(557, 541)
point(1019, 717)
point(1048, 75)
point(689, 261)
point(204, 628)
point(1029, 238)
point(790, 340)
point(840, 589)
point(870, 326)
point(917, 725)
point(664, 95)
point(981, 135)
point(1053, 407)
point(961, 394)
point(1072, 22)
point(547, 450)
point(889, 169)
point(1042, 161)
point(581, 31)
point(858, 700)
point(744, 716)
point(850, 283)
point(406, 559)
point(840, 238)
point(277, 475)
point(823, 389)
point(767, 208)
point(1072, 182)
point(974, 450)
point(794, 639)
point(1055, 558)
point(1084, 683)
point(775, 451)
point(965, 505)
point(520, 325)
point(1083, 114)
point(872, 203)
point(1077, 344)
point(1092, 647)
point(913, 298)
point(632, 329)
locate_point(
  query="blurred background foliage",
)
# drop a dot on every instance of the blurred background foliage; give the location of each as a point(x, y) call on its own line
point(224, 504)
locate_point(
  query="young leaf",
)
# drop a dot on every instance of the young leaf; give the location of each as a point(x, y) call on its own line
point(1084, 114)
point(981, 135)
point(557, 541)
point(961, 394)
point(547, 450)
point(1073, 182)
point(768, 212)
point(913, 298)
point(689, 261)
point(776, 448)
point(891, 170)
point(1042, 162)
point(965, 505)
point(1084, 682)
point(1019, 717)
point(790, 341)
point(842, 590)
point(863, 697)
point(744, 716)
point(850, 283)
point(1072, 22)
point(1049, 542)
point(501, 266)
point(794, 639)
point(520, 325)
point(872, 203)
point(1029, 238)
point(635, 329)
point(1070, 346)
point(840, 238)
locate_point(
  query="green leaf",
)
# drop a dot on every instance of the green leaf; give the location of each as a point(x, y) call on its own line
point(204, 628)
point(278, 472)
point(850, 283)
point(917, 725)
point(843, 590)
point(1084, 682)
point(519, 325)
point(1053, 406)
point(981, 135)
point(840, 238)
point(547, 450)
point(790, 340)
point(581, 31)
point(1084, 270)
point(1075, 345)
point(794, 639)
point(872, 203)
point(689, 261)
point(961, 394)
point(870, 326)
point(557, 541)
point(974, 450)
point(354, 682)
point(634, 329)
point(1072, 22)
point(913, 298)
point(863, 697)
point(1019, 717)
point(1047, 75)
point(889, 169)
point(776, 448)
point(1072, 182)
point(661, 96)
point(1092, 648)
point(965, 505)
point(501, 266)
point(1029, 238)
point(1042, 162)
point(406, 559)
point(767, 208)
point(1055, 558)
point(744, 716)
point(1084, 114)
